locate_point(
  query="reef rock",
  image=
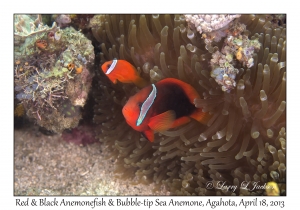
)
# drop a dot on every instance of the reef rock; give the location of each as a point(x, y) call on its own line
point(52, 72)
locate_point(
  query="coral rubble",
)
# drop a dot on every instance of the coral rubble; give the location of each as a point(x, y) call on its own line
point(44, 82)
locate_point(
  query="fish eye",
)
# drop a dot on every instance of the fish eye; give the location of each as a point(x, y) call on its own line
point(140, 104)
point(108, 66)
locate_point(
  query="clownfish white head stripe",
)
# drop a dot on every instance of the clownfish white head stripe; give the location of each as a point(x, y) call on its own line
point(146, 105)
point(112, 67)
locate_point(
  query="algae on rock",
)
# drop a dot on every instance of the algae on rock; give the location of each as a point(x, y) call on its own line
point(52, 72)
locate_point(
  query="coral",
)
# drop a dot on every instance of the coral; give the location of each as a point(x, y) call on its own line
point(26, 26)
point(71, 66)
point(44, 81)
point(62, 20)
point(57, 35)
point(236, 45)
point(79, 70)
point(238, 48)
point(209, 23)
point(81, 21)
point(42, 44)
point(246, 137)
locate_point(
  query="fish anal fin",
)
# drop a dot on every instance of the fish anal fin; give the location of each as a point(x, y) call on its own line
point(148, 134)
point(163, 121)
point(202, 117)
point(180, 121)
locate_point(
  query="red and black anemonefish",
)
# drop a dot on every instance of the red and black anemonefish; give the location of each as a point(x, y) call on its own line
point(123, 71)
point(158, 107)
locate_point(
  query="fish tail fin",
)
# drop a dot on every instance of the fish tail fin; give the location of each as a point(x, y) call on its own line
point(140, 82)
point(200, 116)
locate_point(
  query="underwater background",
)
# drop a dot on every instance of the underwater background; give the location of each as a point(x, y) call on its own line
point(236, 63)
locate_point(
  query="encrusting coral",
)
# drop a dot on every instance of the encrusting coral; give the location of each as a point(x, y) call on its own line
point(209, 23)
point(236, 49)
point(44, 84)
point(245, 140)
point(62, 20)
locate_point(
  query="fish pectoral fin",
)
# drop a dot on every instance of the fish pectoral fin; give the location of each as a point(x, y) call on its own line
point(149, 135)
point(163, 121)
point(180, 121)
point(115, 81)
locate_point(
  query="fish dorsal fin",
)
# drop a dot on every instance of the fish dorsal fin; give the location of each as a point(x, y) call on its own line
point(112, 66)
point(146, 105)
point(148, 134)
point(190, 92)
point(162, 121)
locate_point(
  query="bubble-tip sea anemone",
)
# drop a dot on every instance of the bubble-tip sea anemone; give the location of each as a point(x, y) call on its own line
point(245, 139)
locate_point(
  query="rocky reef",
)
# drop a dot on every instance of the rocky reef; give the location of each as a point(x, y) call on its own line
point(53, 72)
